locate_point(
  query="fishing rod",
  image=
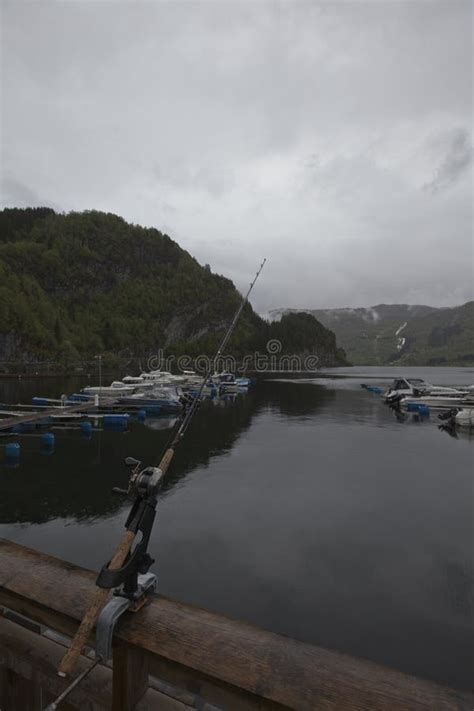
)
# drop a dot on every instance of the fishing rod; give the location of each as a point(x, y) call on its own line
point(130, 568)
point(212, 366)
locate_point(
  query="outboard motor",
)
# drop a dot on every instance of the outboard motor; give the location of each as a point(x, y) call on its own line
point(394, 401)
point(449, 414)
point(449, 421)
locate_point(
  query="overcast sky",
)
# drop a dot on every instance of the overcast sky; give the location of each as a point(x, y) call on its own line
point(333, 138)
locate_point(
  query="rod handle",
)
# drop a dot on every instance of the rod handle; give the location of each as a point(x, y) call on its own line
point(166, 460)
point(69, 661)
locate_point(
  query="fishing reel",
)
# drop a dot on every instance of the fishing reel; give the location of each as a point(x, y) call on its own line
point(143, 487)
point(143, 483)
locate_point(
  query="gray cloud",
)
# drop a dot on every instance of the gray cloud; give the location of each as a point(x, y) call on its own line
point(16, 193)
point(332, 138)
point(458, 159)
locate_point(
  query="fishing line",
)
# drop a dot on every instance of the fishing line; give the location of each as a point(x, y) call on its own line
point(125, 564)
point(185, 420)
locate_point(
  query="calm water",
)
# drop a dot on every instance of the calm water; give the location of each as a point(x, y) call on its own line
point(304, 507)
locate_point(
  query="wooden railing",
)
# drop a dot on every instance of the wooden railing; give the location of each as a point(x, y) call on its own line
point(173, 657)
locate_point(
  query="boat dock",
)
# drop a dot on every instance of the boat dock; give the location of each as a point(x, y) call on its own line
point(31, 417)
point(175, 657)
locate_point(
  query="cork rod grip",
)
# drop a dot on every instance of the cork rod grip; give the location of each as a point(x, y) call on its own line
point(101, 595)
point(165, 460)
point(69, 661)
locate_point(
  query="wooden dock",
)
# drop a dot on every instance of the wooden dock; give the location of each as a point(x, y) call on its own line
point(174, 657)
point(31, 417)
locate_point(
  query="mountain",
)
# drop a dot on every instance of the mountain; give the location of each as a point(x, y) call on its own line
point(78, 284)
point(400, 333)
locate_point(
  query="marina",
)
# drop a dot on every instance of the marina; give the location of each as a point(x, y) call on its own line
point(158, 395)
point(355, 541)
point(215, 497)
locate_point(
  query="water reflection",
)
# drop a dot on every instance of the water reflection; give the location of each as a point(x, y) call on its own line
point(295, 399)
point(305, 508)
point(160, 423)
point(76, 481)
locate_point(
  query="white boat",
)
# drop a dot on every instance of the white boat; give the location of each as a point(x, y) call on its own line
point(465, 417)
point(228, 383)
point(169, 376)
point(439, 402)
point(417, 387)
point(210, 389)
point(243, 382)
point(115, 388)
point(191, 377)
point(165, 400)
point(162, 377)
point(138, 382)
point(155, 378)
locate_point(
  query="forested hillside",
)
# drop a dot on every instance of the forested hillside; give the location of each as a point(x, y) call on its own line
point(78, 284)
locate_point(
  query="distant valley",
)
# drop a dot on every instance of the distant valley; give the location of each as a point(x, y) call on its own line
point(400, 333)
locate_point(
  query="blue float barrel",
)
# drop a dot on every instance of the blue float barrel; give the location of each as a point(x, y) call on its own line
point(47, 440)
point(421, 409)
point(141, 414)
point(12, 450)
point(115, 420)
point(86, 427)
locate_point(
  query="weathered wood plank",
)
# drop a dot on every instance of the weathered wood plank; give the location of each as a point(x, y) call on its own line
point(199, 686)
point(29, 680)
point(33, 659)
point(130, 676)
point(17, 693)
point(278, 669)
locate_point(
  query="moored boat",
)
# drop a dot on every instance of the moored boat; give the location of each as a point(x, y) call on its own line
point(210, 389)
point(115, 388)
point(441, 402)
point(458, 419)
point(166, 375)
point(137, 381)
point(465, 417)
point(227, 382)
point(159, 401)
point(243, 382)
point(162, 377)
point(417, 387)
point(191, 377)
point(373, 388)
